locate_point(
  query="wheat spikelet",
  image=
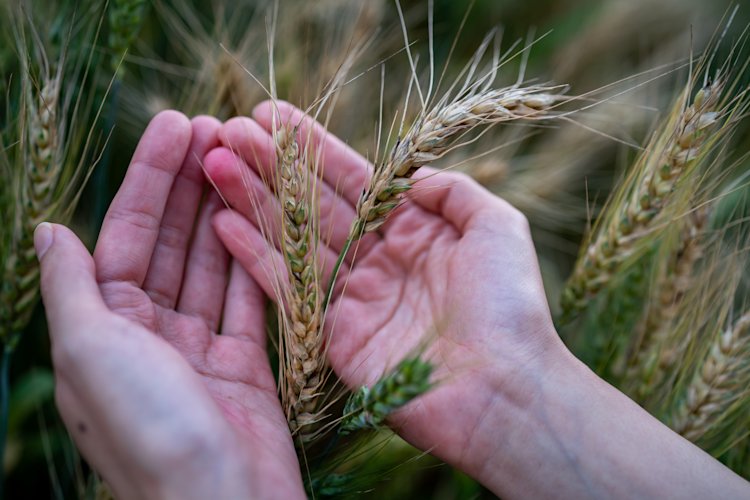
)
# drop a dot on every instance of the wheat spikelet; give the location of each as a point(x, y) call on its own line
point(367, 408)
point(669, 159)
point(657, 348)
point(125, 18)
point(303, 336)
point(432, 135)
point(717, 384)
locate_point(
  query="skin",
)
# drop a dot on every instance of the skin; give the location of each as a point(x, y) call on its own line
point(456, 266)
point(158, 341)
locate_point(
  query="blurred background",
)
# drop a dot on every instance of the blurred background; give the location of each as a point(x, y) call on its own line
point(628, 58)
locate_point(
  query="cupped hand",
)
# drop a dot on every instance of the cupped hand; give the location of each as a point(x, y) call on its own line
point(454, 266)
point(159, 341)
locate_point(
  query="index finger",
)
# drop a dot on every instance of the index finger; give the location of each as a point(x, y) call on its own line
point(131, 226)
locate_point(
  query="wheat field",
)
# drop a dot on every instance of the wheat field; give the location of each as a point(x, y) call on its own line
point(618, 128)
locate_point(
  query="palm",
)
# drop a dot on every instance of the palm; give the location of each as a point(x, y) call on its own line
point(384, 312)
point(428, 279)
point(234, 370)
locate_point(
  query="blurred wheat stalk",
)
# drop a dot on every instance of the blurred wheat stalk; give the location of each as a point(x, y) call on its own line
point(47, 151)
point(657, 289)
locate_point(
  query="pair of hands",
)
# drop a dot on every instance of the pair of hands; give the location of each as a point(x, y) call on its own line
point(159, 338)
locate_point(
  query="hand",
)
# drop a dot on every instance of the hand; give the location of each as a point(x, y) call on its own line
point(456, 266)
point(454, 261)
point(164, 395)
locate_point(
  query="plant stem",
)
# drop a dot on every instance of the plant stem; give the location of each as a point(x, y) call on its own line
point(354, 235)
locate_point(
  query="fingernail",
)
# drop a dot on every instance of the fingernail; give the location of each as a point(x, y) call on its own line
point(43, 237)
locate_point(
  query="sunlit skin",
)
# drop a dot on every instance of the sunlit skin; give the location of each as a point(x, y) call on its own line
point(162, 401)
point(456, 266)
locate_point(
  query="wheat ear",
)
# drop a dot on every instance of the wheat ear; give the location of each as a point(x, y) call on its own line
point(125, 17)
point(663, 165)
point(302, 337)
point(657, 348)
point(368, 407)
point(432, 135)
point(35, 204)
point(721, 381)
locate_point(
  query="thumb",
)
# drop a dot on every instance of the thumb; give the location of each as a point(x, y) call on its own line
point(68, 280)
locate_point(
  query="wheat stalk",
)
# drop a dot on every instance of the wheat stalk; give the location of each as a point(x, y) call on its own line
point(670, 157)
point(47, 159)
point(721, 380)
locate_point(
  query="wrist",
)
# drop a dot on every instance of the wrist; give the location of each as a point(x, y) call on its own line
point(519, 414)
point(207, 469)
point(566, 433)
point(199, 467)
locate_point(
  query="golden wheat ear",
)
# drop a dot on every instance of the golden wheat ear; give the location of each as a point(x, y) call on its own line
point(654, 347)
point(304, 360)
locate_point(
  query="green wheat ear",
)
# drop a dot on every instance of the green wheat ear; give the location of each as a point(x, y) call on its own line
point(125, 18)
point(368, 407)
point(330, 486)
